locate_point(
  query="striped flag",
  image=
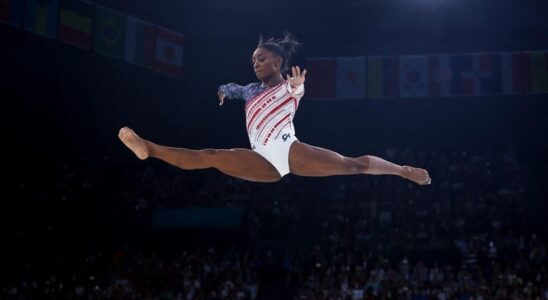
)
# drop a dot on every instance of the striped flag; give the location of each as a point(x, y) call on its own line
point(465, 79)
point(383, 74)
point(140, 42)
point(75, 23)
point(110, 32)
point(169, 52)
point(507, 73)
point(521, 72)
point(350, 78)
point(413, 76)
point(490, 73)
point(440, 75)
point(11, 12)
point(539, 64)
point(41, 17)
point(320, 78)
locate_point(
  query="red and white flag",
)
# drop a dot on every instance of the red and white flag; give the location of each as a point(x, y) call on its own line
point(440, 75)
point(169, 52)
point(413, 76)
point(350, 78)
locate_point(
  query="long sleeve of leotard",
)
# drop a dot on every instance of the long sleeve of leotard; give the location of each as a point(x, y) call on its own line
point(233, 91)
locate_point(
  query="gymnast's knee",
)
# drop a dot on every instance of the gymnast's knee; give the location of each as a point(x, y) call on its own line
point(207, 157)
point(360, 164)
point(215, 157)
point(209, 154)
point(209, 151)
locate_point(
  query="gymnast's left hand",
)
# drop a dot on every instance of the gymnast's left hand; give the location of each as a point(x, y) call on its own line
point(297, 77)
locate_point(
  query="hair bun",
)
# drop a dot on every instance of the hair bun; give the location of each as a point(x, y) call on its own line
point(284, 47)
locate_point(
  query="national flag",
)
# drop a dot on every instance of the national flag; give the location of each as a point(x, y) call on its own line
point(413, 76)
point(169, 52)
point(140, 42)
point(439, 75)
point(41, 17)
point(507, 73)
point(490, 73)
point(75, 23)
point(350, 77)
point(11, 12)
point(383, 74)
point(465, 79)
point(320, 78)
point(539, 64)
point(521, 72)
point(110, 32)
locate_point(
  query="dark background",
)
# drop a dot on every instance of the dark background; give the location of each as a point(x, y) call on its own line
point(63, 106)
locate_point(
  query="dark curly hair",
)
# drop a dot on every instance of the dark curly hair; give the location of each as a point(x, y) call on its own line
point(282, 47)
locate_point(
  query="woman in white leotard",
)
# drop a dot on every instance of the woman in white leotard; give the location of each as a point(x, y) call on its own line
point(275, 151)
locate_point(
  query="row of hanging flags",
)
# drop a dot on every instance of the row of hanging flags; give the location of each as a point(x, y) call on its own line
point(440, 75)
point(103, 30)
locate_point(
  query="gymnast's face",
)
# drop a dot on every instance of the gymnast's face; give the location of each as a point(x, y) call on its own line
point(266, 64)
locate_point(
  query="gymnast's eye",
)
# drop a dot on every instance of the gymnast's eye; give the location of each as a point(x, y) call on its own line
point(260, 59)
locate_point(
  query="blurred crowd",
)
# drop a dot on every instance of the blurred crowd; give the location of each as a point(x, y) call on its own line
point(475, 233)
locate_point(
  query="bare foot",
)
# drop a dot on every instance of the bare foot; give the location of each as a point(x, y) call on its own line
point(133, 142)
point(417, 175)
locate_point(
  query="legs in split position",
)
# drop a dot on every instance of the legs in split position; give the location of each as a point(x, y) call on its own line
point(304, 160)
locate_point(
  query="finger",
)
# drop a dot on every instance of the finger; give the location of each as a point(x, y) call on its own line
point(304, 73)
point(288, 77)
point(221, 98)
point(298, 71)
point(294, 71)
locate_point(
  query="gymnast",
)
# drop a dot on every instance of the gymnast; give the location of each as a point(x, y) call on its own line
point(270, 107)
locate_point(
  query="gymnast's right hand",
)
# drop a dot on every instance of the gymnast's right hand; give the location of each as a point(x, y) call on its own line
point(221, 98)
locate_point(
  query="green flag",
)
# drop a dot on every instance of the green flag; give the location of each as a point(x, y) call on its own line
point(110, 32)
point(539, 63)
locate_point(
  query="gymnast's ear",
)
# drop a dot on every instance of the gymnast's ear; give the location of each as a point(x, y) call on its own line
point(278, 60)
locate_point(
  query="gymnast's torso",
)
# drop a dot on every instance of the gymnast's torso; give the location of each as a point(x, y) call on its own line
point(269, 111)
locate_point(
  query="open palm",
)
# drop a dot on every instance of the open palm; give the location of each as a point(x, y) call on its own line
point(297, 77)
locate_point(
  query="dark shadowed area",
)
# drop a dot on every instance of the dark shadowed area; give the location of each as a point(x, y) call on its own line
point(83, 218)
